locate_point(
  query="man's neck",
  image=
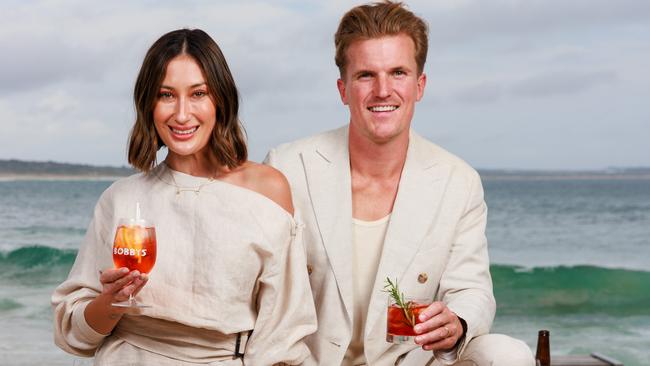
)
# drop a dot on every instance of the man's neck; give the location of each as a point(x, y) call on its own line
point(377, 160)
point(376, 170)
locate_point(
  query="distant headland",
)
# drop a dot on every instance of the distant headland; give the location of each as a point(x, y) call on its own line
point(46, 170)
point(50, 170)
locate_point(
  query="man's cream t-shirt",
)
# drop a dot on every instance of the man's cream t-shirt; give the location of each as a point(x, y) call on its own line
point(367, 244)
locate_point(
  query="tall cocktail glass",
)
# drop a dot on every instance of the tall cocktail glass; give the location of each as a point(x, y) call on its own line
point(134, 247)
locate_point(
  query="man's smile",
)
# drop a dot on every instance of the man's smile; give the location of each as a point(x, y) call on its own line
point(383, 108)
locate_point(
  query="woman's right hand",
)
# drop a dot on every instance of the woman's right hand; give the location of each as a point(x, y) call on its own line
point(119, 283)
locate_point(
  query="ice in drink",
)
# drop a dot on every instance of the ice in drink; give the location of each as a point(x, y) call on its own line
point(135, 248)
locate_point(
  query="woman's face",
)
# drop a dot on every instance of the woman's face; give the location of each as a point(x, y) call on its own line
point(185, 112)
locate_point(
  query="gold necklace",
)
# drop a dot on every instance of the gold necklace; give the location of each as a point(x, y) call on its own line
point(196, 190)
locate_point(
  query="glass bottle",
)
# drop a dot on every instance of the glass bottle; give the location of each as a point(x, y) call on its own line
point(543, 355)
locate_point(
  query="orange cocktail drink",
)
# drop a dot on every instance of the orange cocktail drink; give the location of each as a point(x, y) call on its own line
point(135, 247)
point(402, 319)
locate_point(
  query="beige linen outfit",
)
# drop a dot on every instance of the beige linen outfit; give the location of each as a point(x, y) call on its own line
point(229, 261)
point(367, 243)
point(435, 246)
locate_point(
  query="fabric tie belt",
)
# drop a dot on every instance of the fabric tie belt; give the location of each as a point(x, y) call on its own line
point(179, 341)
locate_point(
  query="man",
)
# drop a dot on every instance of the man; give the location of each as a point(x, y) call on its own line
point(378, 201)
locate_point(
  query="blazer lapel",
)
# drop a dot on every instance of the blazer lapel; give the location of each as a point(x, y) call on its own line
point(415, 211)
point(327, 168)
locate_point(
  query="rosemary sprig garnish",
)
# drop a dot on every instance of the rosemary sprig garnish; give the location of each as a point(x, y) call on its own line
point(392, 289)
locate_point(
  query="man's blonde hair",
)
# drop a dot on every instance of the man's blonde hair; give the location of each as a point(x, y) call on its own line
point(379, 20)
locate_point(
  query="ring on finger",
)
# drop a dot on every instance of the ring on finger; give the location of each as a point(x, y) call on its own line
point(448, 332)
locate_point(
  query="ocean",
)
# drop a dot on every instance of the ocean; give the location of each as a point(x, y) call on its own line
point(568, 255)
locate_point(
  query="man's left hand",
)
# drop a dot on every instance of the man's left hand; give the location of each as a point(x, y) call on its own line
point(440, 328)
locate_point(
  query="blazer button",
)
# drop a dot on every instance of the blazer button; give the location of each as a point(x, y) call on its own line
point(422, 277)
point(309, 269)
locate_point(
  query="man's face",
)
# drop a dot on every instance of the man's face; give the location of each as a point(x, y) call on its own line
point(381, 86)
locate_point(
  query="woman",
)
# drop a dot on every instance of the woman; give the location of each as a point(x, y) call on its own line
point(229, 285)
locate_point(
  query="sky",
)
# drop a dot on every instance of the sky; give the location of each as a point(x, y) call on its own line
point(511, 84)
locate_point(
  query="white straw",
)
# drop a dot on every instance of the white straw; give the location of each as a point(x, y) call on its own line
point(137, 211)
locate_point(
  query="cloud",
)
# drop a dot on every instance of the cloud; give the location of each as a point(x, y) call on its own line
point(37, 61)
point(59, 102)
point(562, 83)
point(541, 85)
point(68, 69)
point(54, 123)
point(484, 92)
point(456, 21)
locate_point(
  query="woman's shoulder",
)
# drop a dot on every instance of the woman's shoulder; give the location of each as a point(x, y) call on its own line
point(264, 180)
point(126, 187)
point(126, 183)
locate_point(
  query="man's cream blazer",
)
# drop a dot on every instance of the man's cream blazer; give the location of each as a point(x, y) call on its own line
point(435, 244)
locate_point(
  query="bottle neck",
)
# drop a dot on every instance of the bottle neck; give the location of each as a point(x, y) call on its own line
point(543, 355)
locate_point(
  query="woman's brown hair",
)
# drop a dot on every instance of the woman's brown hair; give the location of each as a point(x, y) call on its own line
point(379, 20)
point(227, 143)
